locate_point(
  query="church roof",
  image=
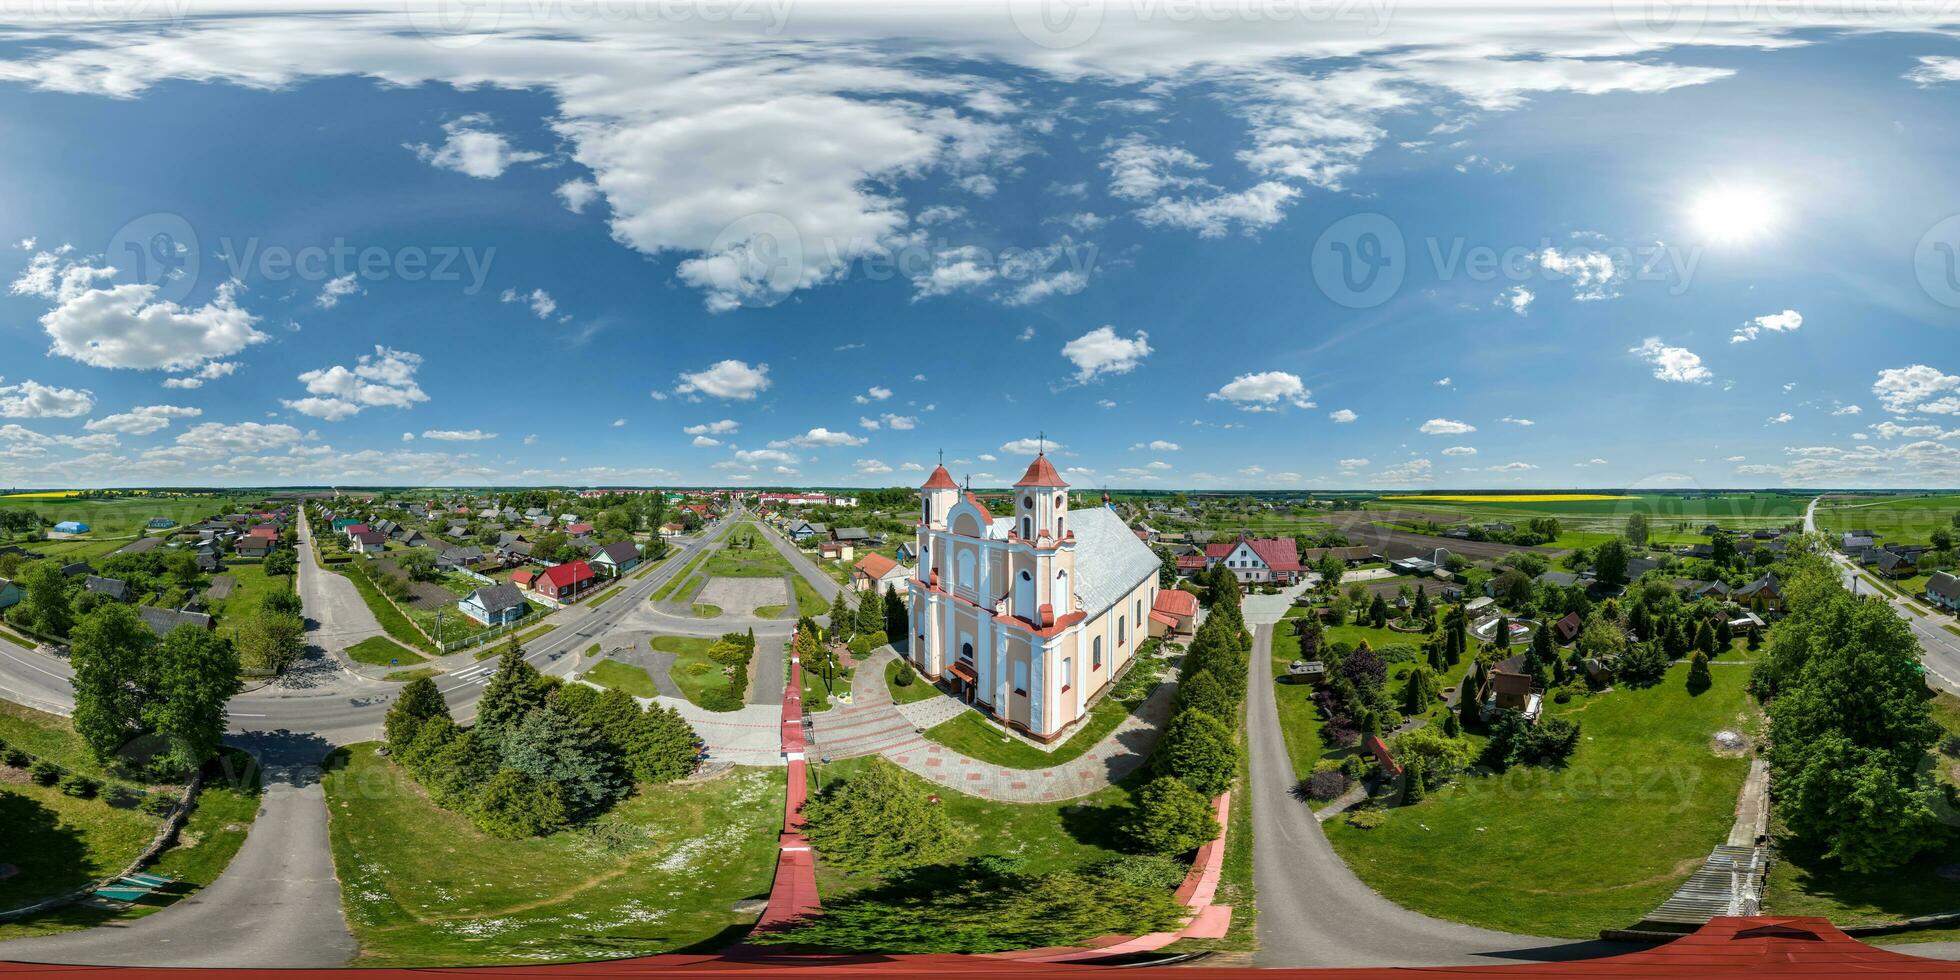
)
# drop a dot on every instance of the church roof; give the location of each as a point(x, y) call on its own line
point(1109, 560)
point(940, 480)
point(1041, 473)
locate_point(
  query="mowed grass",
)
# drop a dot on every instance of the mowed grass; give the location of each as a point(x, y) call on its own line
point(970, 734)
point(919, 690)
point(1512, 498)
point(625, 677)
point(125, 517)
point(380, 651)
point(659, 873)
point(58, 842)
point(817, 694)
point(1043, 836)
point(694, 672)
point(1571, 851)
point(1800, 883)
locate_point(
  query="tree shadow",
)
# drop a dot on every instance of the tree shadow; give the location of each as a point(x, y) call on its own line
point(49, 857)
point(1097, 824)
point(285, 757)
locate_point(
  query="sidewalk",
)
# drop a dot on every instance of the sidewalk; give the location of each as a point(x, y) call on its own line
point(872, 724)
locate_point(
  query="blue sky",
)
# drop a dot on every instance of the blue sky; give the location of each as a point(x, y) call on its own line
point(821, 242)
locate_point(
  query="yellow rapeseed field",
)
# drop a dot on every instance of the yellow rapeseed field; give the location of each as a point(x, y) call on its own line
point(44, 495)
point(1510, 498)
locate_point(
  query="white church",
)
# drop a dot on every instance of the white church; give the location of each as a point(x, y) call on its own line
point(1028, 616)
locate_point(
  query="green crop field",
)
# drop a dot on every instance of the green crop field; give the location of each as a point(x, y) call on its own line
point(1897, 519)
point(124, 517)
point(1667, 514)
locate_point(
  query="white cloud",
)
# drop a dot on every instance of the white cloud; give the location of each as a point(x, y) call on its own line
point(1264, 391)
point(900, 423)
point(1460, 451)
point(705, 441)
point(1343, 415)
point(720, 427)
point(1024, 447)
point(871, 467)
point(1158, 445)
point(531, 440)
point(1515, 421)
point(209, 372)
point(1784, 322)
point(821, 436)
point(458, 435)
point(866, 422)
point(1593, 274)
point(1102, 351)
point(1934, 70)
point(473, 149)
point(1889, 429)
point(764, 456)
point(912, 467)
point(141, 421)
point(875, 393)
point(123, 325)
point(541, 303)
point(1517, 299)
point(1780, 418)
point(577, 194)
point(730, 379)
point(1259, 206)
point(383, 379)
point(1354, 463)
point(210, 440)
point(1511, 467)
point(1446, 427)
point(1912, 389)
point(1443, 382)
point(33, 400)
point(619, 423)
point(1677, 364)
point(1408, 471)
point(1848, 410)
point(336, 289)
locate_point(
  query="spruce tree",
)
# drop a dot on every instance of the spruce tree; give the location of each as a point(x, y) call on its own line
point(514, 690)
point(1704, 638)
point(1412, 789)
point(1724, 635)
point(419, 701)
point(550, 746)
point(1699, 678)
point(843, 620)
point(870, 613)
point(896, 625)
point(1543, 650)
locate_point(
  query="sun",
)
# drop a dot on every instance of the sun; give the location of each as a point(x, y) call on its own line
point(1734, 213)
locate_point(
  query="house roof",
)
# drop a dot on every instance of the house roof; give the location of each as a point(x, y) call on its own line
point(876, 566)
point(114, 588)
point(370, 537)
point(497, 598)
point(1568, 627)
point(850, 533)
point(1279, 554)
point(619, 552)
point(1943, 584)
point(1767, 583)
point(568, 574)
point(1175, 602)
point(523, 576)
point(161, 621)
point(1041, 473)
point(939, 480)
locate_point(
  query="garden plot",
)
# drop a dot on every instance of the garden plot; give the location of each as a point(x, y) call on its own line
point(740, 596)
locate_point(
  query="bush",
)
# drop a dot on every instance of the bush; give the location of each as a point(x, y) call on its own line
point(18, 758)
point(514, 806)
point(44, 772)
point(158, 805)
point(1199, 750)
point(1366, 819)
point(1326, 783)
point(878, 821)
point(905, 675)
point(1170, 818)
point(878, 639)
point(1142, 870)
point(80, 786)
point(122, 797)
point(860, 646)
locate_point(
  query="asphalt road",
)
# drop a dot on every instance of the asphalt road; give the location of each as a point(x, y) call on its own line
point(1313, 911)
point(1940, 648)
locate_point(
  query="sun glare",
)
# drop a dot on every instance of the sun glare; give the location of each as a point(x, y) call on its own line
point(1734, 213)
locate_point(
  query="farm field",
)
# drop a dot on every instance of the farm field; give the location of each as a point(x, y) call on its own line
point(124, 517)
point(1897, 519)
point(1667, 514)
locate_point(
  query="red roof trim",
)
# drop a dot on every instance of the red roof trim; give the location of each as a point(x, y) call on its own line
point(1041, 473)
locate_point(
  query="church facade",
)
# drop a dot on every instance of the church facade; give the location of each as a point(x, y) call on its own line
point(1027, 616)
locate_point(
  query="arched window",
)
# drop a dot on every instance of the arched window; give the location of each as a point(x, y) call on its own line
point(1027, 527)
point(1095, 654)
point(966, 651)
point(1122, 631)
point(1060, 500)
point(1058, 527)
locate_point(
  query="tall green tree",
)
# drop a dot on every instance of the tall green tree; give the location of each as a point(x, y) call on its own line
point(897, 625)
point(548, 745)
point(1170, 818)
point(1200, 750)
point(879, 820)
point(1637, 530)
point(195, 674)
point(870, 612)
point(419, 701)
point(514, 691)
point(843, 619)
point(45, 606)
point(109, 654)
point(1610, 562)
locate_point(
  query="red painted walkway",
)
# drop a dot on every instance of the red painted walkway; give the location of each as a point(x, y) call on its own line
point(794, 894)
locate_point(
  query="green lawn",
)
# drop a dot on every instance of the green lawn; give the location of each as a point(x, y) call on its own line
point(392, 621)
point(816, 695)
point(970, 734)
point(380, 651)
point(251, 586)
point(497, 649)
point(919, 690)
point(1043, 836)
point(808, 602)
point(49, 737)
point(683, 581)
point(422, 887)
point(1568, 852)
point(17, 640)
point(1802, 884)
point(694, 672)
point(626, 677)
point(770, 611)
point(703, 610)
point(412, 675)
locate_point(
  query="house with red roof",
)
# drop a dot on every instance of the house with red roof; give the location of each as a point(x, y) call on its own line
point(565, 582)
point(874, 572)
point(1174, 611)
point(1256, 559)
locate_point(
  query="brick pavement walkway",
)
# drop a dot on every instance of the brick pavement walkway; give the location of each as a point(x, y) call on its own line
point(873, 724)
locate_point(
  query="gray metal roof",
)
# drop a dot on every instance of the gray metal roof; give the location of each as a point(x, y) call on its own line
point(496, 598)
point(1109, 560)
